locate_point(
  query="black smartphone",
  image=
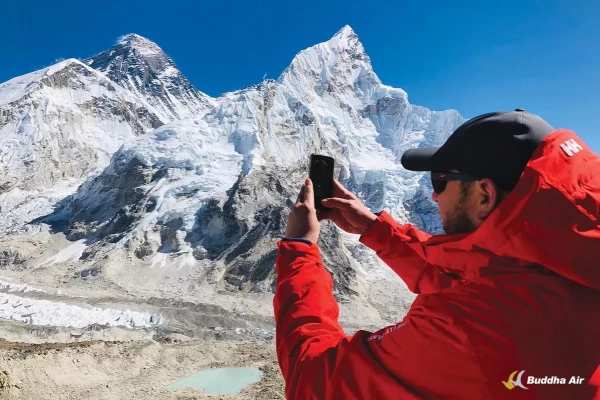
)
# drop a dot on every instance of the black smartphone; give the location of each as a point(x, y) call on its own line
point(321, 175)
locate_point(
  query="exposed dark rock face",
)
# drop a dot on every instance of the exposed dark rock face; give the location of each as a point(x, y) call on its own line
point(141, 67)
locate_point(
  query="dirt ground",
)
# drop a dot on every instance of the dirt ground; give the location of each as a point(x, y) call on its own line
point(132, 370)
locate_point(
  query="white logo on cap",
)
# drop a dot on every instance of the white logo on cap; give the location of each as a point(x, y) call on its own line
point(571, 147)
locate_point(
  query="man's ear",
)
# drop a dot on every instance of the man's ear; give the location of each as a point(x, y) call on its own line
point(486, 198)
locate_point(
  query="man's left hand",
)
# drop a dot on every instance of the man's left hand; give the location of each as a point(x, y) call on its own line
point(302, 221)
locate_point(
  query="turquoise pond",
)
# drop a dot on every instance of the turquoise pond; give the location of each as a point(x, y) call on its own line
point(219, 380)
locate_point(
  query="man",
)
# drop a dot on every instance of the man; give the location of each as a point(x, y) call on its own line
point(508, 300)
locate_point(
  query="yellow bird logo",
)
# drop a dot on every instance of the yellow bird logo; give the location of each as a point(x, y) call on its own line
point(512, 383)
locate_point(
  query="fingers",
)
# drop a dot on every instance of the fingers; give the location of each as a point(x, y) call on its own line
point(340, 191)
point(309, 197)
point(340, 204)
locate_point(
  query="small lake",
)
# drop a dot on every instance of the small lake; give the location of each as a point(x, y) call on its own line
point(219, 380)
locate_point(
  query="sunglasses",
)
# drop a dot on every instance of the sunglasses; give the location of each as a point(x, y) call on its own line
point(439, 180)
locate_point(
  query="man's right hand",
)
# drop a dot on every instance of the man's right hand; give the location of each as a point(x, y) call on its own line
point(346, 211)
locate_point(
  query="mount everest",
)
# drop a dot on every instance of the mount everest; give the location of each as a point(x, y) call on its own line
point(125, 189)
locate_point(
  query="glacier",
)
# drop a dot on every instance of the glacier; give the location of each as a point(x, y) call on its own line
point(53, 313)
point(154, 191)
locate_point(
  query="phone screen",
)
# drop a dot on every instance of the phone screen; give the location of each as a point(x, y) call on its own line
point(321, 174)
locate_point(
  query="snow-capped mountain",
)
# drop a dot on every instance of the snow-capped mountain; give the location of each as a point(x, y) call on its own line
point(141, 67)
point(64, 121)
point(57, 125)
point(191, 210)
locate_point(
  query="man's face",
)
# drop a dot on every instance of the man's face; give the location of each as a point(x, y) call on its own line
point(455, 208)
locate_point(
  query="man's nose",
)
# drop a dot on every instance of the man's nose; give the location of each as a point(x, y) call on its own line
point(434, 196)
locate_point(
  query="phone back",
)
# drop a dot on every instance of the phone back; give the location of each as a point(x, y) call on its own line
point(321, 174)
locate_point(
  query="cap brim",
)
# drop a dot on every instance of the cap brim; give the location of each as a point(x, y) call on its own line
point(419, 159)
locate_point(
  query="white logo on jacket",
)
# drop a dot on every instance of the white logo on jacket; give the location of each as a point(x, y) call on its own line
point(571, 147)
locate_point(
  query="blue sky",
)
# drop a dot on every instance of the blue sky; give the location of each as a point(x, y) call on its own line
point(473, 56)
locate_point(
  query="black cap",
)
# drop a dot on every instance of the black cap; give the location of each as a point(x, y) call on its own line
point(495, 145)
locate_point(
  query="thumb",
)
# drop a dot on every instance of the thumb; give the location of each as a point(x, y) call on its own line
point(340, 204)
point(309, 197)
point(340, 191)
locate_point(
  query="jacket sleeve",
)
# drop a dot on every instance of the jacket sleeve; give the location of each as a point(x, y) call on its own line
point(319, 361)
point(396, 245)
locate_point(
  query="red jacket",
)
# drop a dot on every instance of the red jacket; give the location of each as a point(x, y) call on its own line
point(522, 293)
